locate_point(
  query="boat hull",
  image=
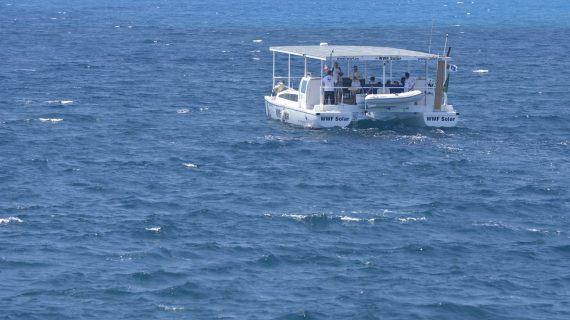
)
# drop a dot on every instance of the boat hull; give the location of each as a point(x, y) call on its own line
point(308, 118)
point(334, 118)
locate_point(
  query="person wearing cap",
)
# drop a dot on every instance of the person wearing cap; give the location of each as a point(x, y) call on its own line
point(409, 83)
point(328, 87)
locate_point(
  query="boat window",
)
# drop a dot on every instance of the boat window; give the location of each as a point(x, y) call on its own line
point(289, 96)
point(303, 86)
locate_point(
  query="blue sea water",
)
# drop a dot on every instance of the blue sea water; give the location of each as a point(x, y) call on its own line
point(140, 178)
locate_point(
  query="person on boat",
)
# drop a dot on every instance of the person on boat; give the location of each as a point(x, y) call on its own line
point(328, 87)
point(337, 77)
point(355, 77)
point(337, 73)
point(278, 88)
point(372, 83)
point(409, 82)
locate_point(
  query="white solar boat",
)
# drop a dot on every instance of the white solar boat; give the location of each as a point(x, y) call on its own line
point(300, 101)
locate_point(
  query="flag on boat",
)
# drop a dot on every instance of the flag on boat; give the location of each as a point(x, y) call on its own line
point(446, 84)
point(452, 68)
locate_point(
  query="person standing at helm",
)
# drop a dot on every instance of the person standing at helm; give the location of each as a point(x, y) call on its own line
point(328, 87)
point(409, 83)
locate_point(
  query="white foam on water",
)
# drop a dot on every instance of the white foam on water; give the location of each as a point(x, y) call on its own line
point(480, 71)
point(52, 120)
point(256, 58)
point(353, 219)
point(411, 219)
point(257, 41)
point(153, 229)
point(10, 219)
point(204, 109)
point(183, 110)
point(297, 217)
point(190, 165)
point(62, 102)
point(170, 308)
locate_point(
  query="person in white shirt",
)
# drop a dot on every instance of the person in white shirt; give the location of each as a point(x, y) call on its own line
point(409, 83)
point(328, 87)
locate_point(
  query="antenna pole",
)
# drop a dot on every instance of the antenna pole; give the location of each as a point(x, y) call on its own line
point(430, 34)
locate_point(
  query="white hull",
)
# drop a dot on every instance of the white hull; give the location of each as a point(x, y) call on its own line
point(306, 118)
point(333, 118)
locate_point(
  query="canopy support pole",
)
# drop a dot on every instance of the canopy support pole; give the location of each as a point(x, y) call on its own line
point(321, 88)
point(426, 84)
point(383, 76)
point(390, 70)
point(305, 72)
point(273, 74)
point(289, 73)
point(365, 70)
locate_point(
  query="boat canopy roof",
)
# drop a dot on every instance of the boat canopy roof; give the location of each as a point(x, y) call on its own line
point(324, 52)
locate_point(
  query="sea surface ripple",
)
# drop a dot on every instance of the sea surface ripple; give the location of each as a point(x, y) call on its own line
point(140, 178)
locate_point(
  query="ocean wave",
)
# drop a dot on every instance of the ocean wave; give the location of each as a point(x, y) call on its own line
point(190, 165)
point(153, 229)
point(411, 219)
point(60, 102)
point(52, 120)
point(187, 289)
point(321, 217)
point(170, 308)
point(10, 219)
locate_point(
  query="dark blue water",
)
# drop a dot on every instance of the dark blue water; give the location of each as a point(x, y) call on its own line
point(139, 177)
